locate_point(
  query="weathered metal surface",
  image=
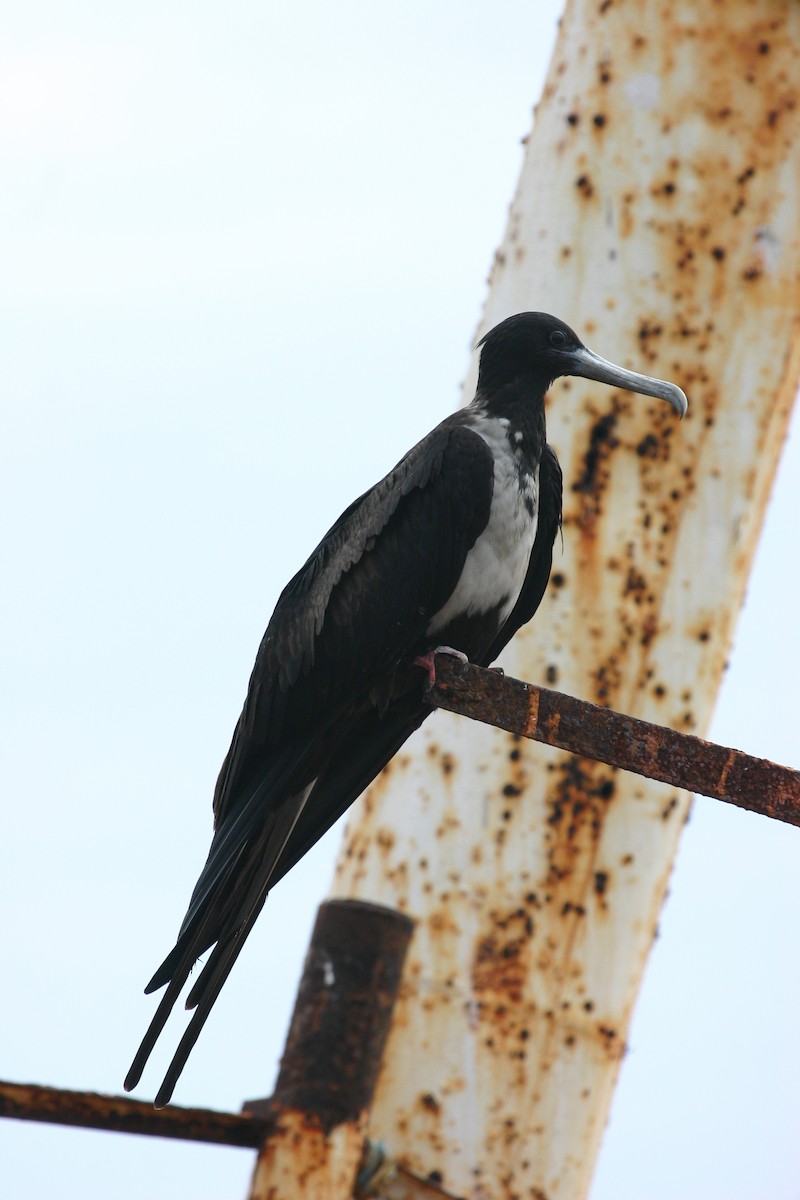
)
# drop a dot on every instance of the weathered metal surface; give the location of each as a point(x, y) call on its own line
point(381, 1178)
point(302, 1162)
point(657, 212)
point(118, 1114)
point(405, 1186)
point(585, 729)
point(333, 1053)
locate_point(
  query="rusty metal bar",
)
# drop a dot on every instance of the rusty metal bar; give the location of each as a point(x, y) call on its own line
point(654, 751)
point(248, 1130)
point(118, 1114)
point(333, 1053)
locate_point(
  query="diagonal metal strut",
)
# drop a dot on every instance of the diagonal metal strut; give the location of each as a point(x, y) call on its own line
point(680, 759)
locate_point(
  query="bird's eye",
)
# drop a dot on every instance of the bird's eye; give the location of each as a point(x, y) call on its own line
point(558, 339)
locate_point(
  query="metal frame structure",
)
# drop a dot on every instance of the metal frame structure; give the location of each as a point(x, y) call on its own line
point(657, 210)
point(311, 1135)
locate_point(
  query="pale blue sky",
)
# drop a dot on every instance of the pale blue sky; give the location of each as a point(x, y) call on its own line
point(242, 255)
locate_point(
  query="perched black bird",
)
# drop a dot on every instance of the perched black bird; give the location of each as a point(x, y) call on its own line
point(453, 547)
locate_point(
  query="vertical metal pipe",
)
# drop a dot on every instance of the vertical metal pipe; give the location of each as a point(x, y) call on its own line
point(333, 1053)
point(657, 212)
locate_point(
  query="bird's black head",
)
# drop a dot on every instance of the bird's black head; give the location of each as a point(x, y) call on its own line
point(522, 356)
point(528, 346)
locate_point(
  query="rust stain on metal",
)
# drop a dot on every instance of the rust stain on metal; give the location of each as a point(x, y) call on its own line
point(602, 441)
point(498, 966)
point(532, 716)
point(553, 721)
point(729, 762)
point(430, 1103)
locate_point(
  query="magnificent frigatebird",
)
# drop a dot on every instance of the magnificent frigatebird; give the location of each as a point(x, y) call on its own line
point(452, 547)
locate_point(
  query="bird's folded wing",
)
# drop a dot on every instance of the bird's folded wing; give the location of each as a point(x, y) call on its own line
point(362, 601)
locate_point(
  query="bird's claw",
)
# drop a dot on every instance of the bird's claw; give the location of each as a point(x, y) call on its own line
point(428, 661)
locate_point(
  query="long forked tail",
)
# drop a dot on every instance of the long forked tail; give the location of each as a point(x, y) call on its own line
point(201, 998)
point(224, 915)
point(181, 971)
point(250, 853)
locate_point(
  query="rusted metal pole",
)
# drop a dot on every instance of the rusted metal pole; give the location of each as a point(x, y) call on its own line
point(657, 212)
point(333, 1053)
point(680, 759)
point(118, 1114)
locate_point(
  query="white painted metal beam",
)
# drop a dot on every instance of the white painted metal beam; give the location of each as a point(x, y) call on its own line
point(658, 212)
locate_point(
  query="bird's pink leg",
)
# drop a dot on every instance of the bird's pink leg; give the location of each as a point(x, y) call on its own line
point(428, 661)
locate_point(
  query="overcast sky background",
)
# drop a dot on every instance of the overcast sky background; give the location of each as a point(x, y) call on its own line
point(243, 250)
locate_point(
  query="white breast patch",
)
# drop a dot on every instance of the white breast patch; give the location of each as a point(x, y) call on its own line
point(495, 567)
